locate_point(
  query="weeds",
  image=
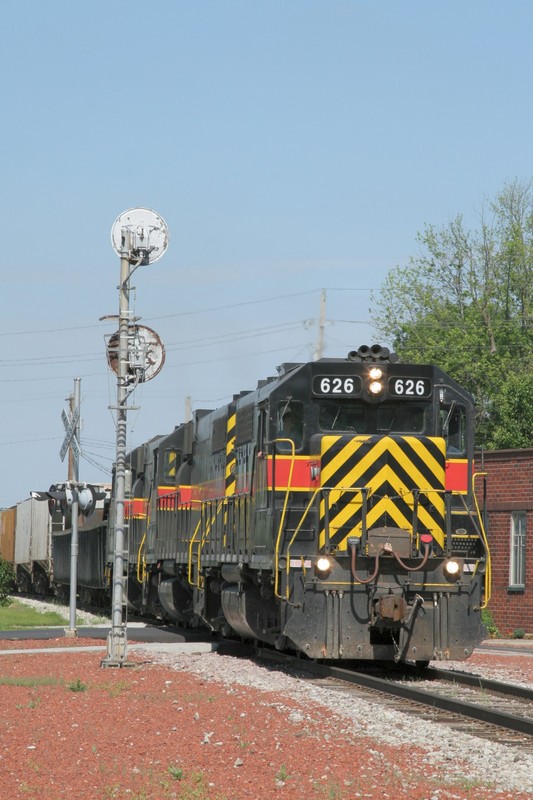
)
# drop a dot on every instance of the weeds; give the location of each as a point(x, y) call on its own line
point(78, 686)
point(114, 689)
point(176, 772)
point(282, 774)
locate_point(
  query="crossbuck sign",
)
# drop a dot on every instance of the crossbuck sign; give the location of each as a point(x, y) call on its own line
point(70, 422)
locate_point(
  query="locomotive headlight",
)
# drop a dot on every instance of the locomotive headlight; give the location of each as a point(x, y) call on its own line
point(323, 566)
point(452, 567)
point(375, 373)
point(375, 387)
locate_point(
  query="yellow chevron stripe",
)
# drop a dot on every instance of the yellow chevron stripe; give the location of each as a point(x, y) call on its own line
point(386, 505)
point(403, 459)
point(344, 515)
point(360, 468)
point(425, 454)
point(387, 475)
point(347, 452)
point(229, 474)
point(381, 446)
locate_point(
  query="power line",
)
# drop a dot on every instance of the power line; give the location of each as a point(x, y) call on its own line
point(189, 313)
point(281, 327)
point(31, 440)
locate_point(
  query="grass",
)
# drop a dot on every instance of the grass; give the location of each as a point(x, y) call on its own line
point(45, 680)
point(18, 615)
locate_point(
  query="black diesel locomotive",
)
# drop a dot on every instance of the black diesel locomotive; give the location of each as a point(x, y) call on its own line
point(332, 512)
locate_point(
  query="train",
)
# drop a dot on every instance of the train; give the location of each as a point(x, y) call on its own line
point(335, 512)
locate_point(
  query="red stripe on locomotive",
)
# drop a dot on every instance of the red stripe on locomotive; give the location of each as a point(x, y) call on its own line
point(136, 508)
point(301, 474)
point(456, 475)
point(170, 497)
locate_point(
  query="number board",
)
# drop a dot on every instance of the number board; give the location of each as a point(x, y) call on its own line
point(337, 385)
point(410, 387)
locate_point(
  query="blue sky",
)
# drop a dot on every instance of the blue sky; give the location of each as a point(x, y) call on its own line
point(290, 146)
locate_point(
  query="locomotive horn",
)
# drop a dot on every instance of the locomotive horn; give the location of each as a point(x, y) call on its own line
point(361, 354)
point(374, 353)
point(380, 353)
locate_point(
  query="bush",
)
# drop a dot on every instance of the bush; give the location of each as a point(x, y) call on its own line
point(519, 633)
point(7, 582)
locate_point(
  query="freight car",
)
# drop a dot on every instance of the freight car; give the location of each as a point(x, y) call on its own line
point(332, 512)
point(25, 541)
point(35, 538)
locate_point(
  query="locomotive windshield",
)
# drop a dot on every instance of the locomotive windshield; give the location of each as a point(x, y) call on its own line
point(357, 417)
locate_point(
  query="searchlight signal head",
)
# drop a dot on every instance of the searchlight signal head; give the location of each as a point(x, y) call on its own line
point(148, 239)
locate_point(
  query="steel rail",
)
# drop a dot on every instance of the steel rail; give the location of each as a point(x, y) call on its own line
point(469, 679)
point(523, 725)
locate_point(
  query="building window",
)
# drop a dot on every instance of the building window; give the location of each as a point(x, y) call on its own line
point(517, 562)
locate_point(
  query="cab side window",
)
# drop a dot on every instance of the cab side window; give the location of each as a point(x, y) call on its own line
point(290, 424)
point(453, 428)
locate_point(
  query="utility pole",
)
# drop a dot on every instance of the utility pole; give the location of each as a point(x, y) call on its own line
point(319, 349)
point(140, 237)
point(72, 631)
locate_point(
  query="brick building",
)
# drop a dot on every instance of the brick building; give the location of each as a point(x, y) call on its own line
point(510, 519)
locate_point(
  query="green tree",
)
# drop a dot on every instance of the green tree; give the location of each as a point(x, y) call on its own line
point(515, 419)
point(465, 303)
point(7, 579)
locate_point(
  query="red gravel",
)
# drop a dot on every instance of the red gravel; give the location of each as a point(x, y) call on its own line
point(152, 732)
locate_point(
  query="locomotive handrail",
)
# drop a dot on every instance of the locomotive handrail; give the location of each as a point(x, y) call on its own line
point(295, 534)
point(220, 504)
point(283, 515)
point(141, 562)
point(189, 558)
point(488, 572)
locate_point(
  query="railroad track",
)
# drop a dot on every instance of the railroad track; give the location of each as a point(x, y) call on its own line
point(483, 708)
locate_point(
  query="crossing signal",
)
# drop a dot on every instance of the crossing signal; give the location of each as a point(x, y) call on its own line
point(62, 495)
